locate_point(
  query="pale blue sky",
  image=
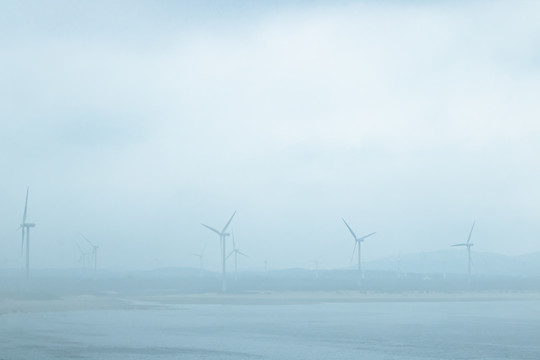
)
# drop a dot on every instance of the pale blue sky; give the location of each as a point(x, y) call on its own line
point(133, 122)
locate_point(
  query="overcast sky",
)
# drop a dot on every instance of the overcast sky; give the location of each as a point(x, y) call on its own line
point(134, 122)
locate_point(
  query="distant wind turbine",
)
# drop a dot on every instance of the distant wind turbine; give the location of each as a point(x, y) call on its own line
point(358, 242)
point(25, 227)
point(399, 271)
point(200, 256)
point(222, 237)
point(94, 250)
point(236, 251)
point(84, 255)
point(468, 244)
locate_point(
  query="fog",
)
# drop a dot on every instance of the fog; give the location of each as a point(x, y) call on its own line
point(135, 122)
point(132, 124)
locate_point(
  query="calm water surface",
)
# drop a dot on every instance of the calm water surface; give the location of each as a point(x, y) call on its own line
point(385, 330)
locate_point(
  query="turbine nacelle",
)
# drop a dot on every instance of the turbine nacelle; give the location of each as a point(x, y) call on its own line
point(467, 245)
point(237, 251)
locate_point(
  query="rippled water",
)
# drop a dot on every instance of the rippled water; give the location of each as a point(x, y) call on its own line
point(385, 330)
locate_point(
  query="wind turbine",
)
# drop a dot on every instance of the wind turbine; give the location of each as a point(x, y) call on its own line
point(358, 242)
point(468, 244)
point(82, 258)
point(94, 250)
point(200, 256)
point(25, 227)
point(236, 251)
point(222, 236)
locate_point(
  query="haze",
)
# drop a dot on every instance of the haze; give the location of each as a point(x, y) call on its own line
point(135, 122)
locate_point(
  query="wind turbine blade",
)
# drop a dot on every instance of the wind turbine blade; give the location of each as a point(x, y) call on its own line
point(79, 246)
point(348, 227)
point(241, 253)
point(459, 245)
point(354, 250)
point(366, 236)
point(211, 229)
point(25, 206)
point(228, 256)
point(470, 233)
point(228, 222)
point(85, 238)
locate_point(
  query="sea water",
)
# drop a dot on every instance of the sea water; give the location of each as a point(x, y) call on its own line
point(365, 330)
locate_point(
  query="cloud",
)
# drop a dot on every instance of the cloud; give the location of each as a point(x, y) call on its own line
point(410, 118)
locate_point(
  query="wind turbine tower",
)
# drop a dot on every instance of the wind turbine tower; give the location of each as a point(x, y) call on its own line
point(25, 227)
point(236, 251)
point(358, 242)
point(468, 244)
point(200, 256)
point(84, 255)
point(222, 237)
point(94, 250)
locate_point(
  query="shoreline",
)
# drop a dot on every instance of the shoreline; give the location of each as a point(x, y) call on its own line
point(145, 302)
point(301, 297)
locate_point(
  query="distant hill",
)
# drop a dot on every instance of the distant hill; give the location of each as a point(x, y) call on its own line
point(454, 261)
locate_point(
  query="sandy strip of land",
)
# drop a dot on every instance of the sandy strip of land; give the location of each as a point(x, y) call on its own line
point(289, 298)
point(69, 303)
point(118, 302)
